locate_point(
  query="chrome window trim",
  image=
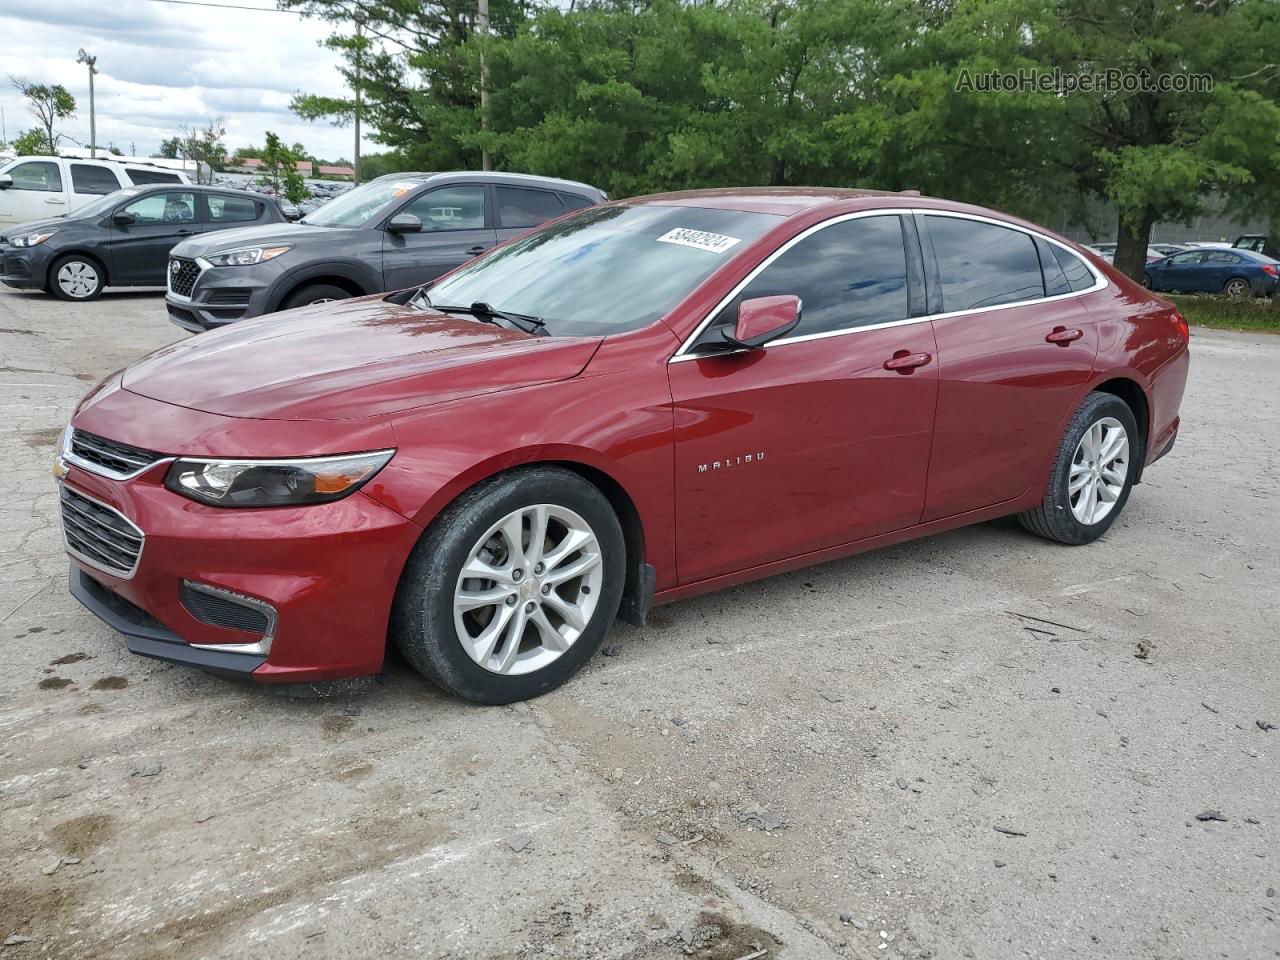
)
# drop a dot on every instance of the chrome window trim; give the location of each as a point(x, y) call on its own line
point(96, 468)
point(681, 355)
point(89, 560)
point(259, 649)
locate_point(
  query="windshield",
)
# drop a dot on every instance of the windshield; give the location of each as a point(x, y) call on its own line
point(356, 207)
point(100, 206)
point(606, 270)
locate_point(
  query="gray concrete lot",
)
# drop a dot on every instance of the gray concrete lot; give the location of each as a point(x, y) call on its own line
point(815, 766)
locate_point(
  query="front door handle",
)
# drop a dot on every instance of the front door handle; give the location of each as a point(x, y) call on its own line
point(476, 251)
point(1064, 336)
point(56, 200)
point(904, 362)
point(185, 233)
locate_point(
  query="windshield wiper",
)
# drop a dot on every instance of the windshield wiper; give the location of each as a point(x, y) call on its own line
point(484, 312)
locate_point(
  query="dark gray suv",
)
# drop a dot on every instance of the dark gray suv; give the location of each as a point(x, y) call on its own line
point(394, 232)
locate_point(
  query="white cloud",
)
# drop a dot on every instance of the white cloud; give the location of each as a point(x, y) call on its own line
point(161, 65)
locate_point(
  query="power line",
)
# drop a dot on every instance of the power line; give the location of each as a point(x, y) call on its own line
point(227, 6)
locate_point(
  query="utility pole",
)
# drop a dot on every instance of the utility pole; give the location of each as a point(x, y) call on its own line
point(361, 17)
point(92, 64)
point(482, 22)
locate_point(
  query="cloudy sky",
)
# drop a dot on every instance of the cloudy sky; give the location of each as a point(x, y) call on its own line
point(161, 65)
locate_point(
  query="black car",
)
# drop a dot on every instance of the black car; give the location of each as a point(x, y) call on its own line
point(396, 231)
point(123, 238)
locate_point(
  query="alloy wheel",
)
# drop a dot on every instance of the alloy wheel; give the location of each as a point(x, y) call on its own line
point(1099, 470)
point(1237, 288)
point(77, 279)
point(528, 589)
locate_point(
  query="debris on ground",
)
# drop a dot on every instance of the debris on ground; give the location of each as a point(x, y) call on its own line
point(666, 839)
point(150, 770)
point(695, 936)
point(16, 938)
point(1266, 725)
point(758, 816)
point(519, 842)
point(1145, 647)
point(1207, 707)
point(352, 710)
point(1008, 831)
point(832, 697)
point(1211, 815)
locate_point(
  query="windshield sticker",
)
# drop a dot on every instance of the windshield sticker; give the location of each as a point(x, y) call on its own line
point(400, 189)
point(699, 239)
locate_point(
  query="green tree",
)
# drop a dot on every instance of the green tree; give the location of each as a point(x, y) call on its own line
point(203, 146)
point(48, 103)
point(30, 144)
point(170, 148)
point(280, 170)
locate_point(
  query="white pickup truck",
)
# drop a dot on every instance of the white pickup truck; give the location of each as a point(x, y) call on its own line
point(36, 188)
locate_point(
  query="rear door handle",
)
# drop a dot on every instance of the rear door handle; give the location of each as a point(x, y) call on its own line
point(54, 200)
point(904, 362)
point(185, 233)
point(1063, 335)
point(476, 251)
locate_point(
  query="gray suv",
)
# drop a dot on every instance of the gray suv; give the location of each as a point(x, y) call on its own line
point(396, 231)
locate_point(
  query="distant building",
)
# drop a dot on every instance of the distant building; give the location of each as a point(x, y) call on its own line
point(253, 165)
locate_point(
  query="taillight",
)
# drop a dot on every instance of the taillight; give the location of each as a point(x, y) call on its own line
point(1180, 323)
point(1271, 269)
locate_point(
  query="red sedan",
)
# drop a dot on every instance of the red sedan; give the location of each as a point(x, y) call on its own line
point(634, 404)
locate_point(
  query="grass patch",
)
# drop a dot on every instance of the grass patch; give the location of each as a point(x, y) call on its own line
point(1225, 313)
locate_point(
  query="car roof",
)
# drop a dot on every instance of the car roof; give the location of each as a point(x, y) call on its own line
point(193, 188)
point(780, 201)
point(497, 176)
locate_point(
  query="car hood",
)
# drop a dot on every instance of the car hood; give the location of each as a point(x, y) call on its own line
point(35, 226)
point(266, 233)
point(348, 360)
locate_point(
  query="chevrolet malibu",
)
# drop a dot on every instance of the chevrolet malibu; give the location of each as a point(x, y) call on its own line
point(636, 403)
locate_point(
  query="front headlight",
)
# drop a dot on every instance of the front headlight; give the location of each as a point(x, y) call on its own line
point(246, 256)
point(31, 239)
point(274, 483)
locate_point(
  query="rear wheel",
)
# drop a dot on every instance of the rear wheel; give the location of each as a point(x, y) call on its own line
point(1092, 473)
point(314, 293)
point(1237, 287)
point(76, 278)
point(1146, 281)
point(513, 587)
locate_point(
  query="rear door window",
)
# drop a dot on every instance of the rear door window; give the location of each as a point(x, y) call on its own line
point(983, 265)
point(152, 176)
point(518, 207)
point(224, 209)
point(573, 201)
point(86, 178)
point(42, 175)
point(1221, 256)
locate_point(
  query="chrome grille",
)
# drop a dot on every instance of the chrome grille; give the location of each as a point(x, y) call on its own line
point(99, 535)
point(182, 275)
point(116, 459)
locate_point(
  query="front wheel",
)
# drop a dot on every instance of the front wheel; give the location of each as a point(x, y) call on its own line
point(76, 278)
point(313, 294)
point(1092, 473)
point(513, 587)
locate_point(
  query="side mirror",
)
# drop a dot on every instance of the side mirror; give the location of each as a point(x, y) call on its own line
point(123, 219)
point(764, 319)
point(404, 223)
point(6, 181)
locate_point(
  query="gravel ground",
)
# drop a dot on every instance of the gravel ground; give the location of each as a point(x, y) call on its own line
point(979, 745)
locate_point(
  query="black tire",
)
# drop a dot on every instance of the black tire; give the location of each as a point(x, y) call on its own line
point(1146, 281)
point(1054, 519)
point(422, 622)
point(1237, 287)
point(77, 262)
point(314, 293)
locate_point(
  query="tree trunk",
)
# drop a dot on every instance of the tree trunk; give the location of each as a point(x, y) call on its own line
point(1131, 245)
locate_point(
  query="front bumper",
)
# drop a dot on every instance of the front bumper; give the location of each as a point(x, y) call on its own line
point(24, 268)
point(327, 571)
point(223, 295)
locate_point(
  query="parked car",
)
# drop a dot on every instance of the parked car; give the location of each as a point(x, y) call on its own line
point(387, 234)
point(1168, 249)
point(123, 239)
point(35, 188)
point(1259, 243)
point(1153, 252)
point(641, 402)
point(1237, 273)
